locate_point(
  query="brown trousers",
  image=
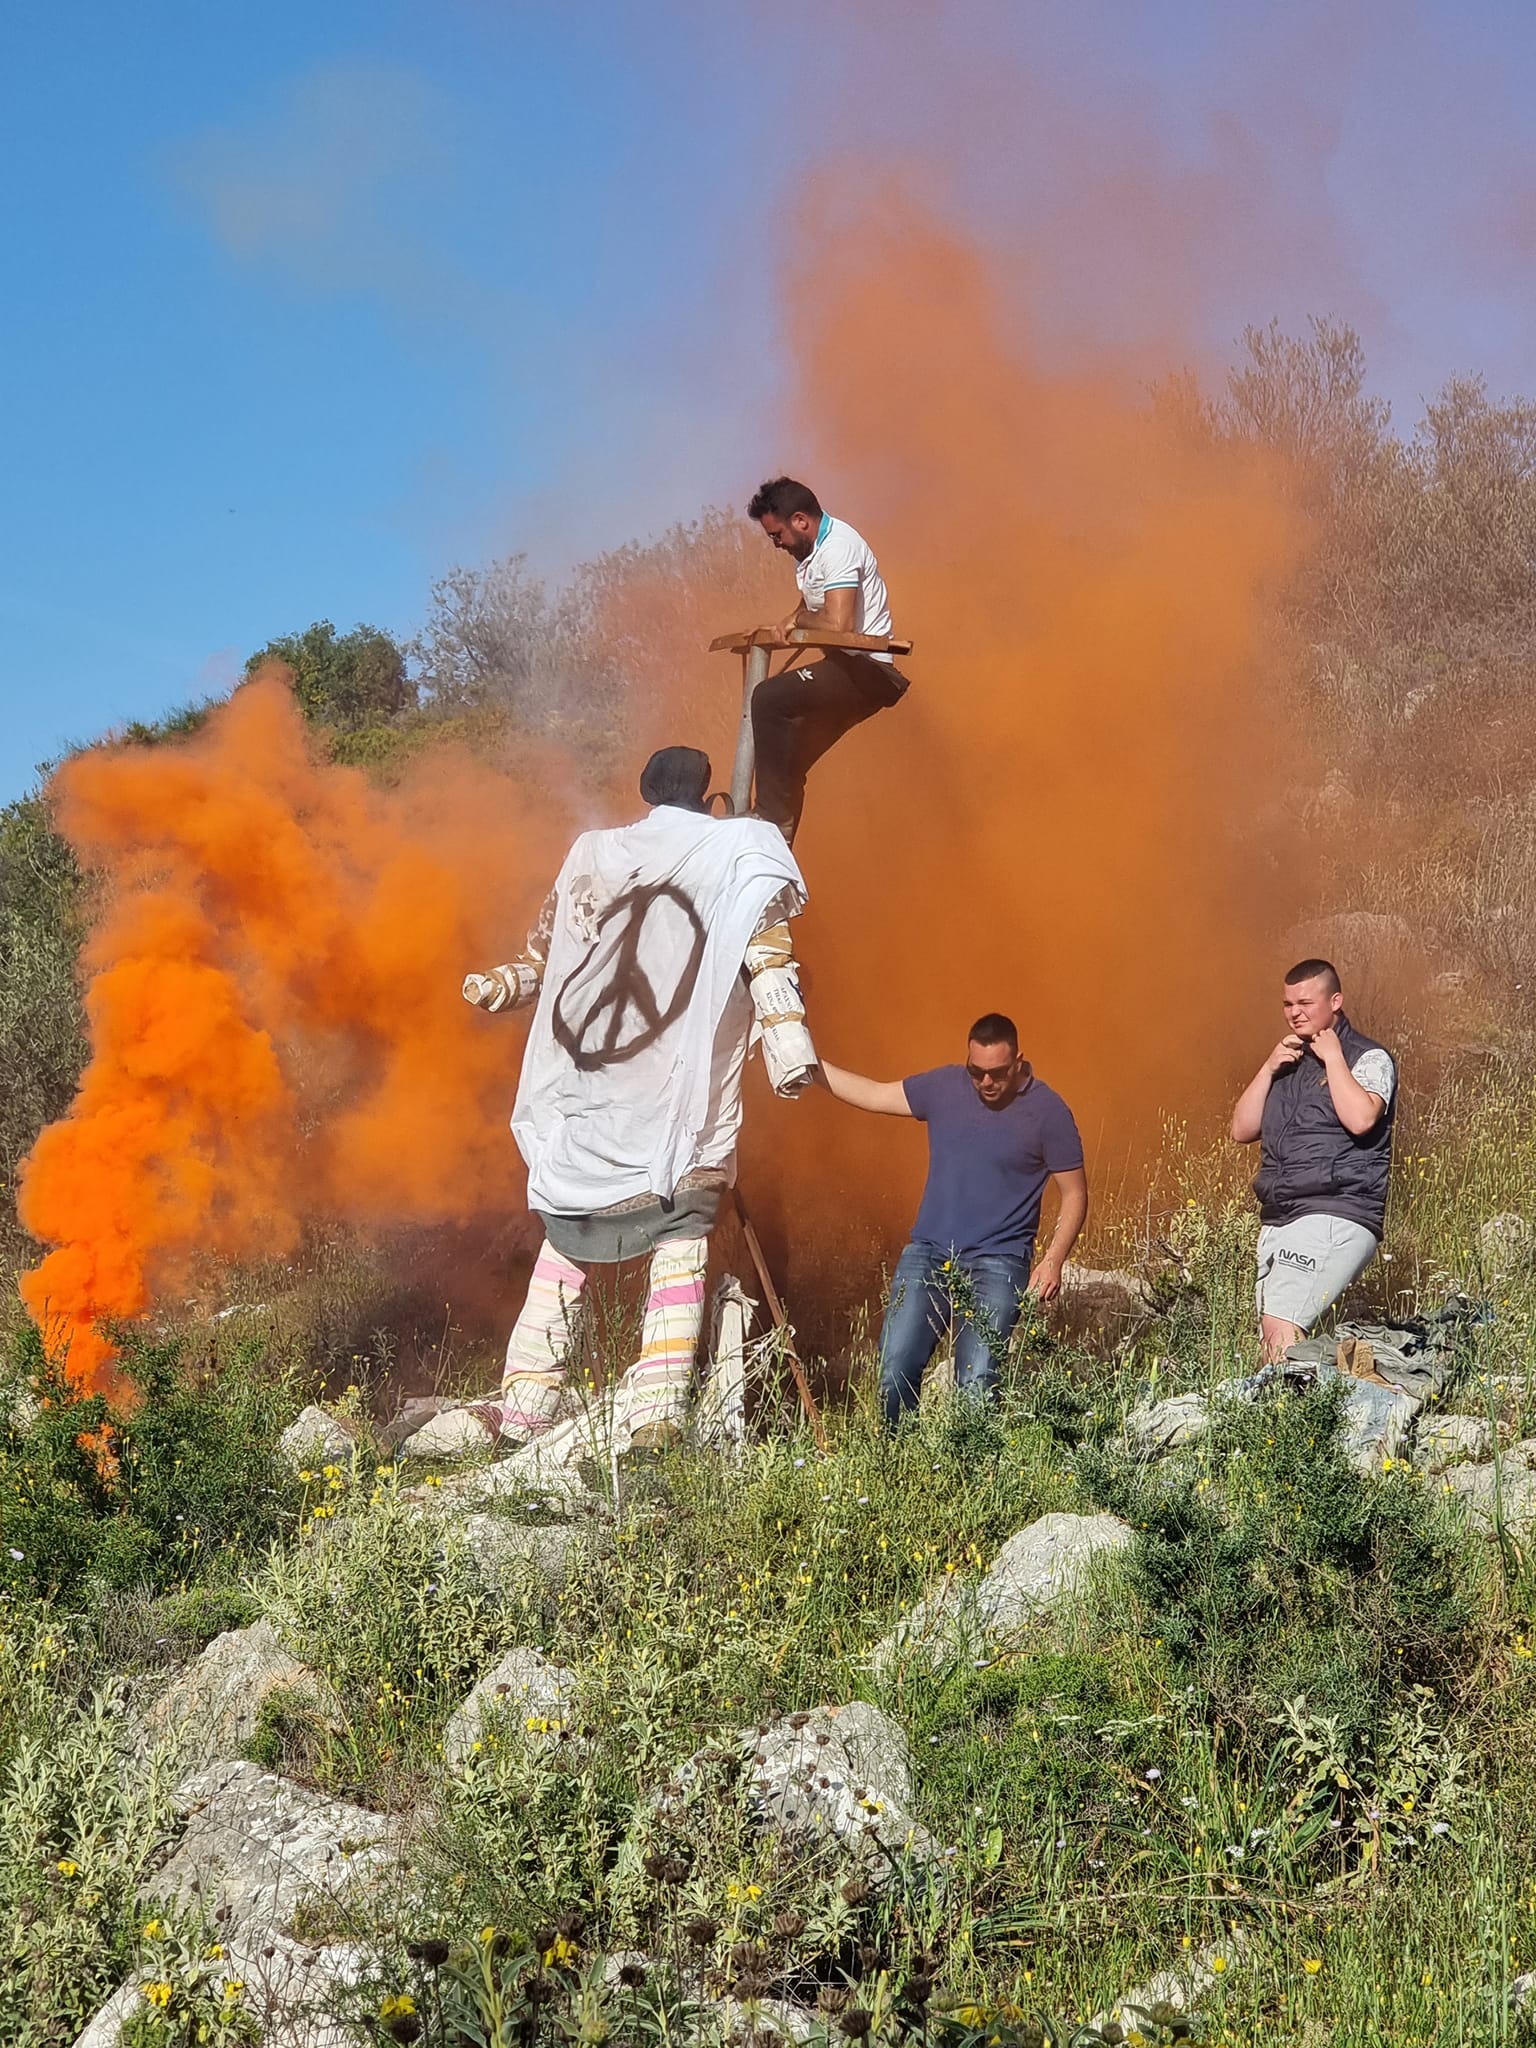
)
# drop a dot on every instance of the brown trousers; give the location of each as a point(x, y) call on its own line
point(798, 715)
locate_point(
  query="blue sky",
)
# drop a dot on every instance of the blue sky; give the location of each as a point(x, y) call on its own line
point(308, 302)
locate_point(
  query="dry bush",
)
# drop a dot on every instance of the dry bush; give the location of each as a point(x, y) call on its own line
point(1412, 629)
point(598, 665)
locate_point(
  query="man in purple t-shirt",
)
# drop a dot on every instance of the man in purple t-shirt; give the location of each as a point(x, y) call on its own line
point(996, 1135)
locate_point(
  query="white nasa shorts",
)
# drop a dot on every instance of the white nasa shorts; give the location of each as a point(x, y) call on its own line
point(1304, 1266)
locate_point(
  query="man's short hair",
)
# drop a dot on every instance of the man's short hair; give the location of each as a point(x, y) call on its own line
point(783, 497)
point(1315, 970)
point(676, 775)
point(994, 1029)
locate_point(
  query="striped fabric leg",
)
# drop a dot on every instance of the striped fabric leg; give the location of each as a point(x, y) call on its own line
point(534, 1377)
point(657, 1387)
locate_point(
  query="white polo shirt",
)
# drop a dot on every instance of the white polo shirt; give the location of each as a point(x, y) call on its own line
point(843, 560)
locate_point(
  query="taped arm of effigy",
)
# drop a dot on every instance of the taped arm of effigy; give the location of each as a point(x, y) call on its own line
point(516, 985)
point(774, 980)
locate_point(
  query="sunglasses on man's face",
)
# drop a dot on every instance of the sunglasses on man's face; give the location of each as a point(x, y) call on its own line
point(990, 1073)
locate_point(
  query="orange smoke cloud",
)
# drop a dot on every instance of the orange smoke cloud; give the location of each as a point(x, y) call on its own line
point(276, 1030)
point(1076, 815)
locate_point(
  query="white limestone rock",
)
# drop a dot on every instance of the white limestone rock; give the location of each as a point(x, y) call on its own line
point(1036, 1570)
point(295, 1994)
point(523, 1688)
point(106, 2029)
point(1446, 1440)
point(1159, 1426)
point(1504, 1246)
point(314, 1438)
point(212, 1709)
point(19, 1410)
point(839, 1775)
point(1170, 1991)
point(511, 1555)
point(735, 2024)
point(255, 1850)
point(452, 1434)
point(410, 1417)
point(257, 1846)
point(1503, 1489)
point(1104, 1298)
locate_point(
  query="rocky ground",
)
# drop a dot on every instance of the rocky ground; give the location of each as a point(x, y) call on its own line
point(310, 1896)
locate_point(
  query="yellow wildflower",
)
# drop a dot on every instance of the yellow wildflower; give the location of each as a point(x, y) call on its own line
point(399, 2005)
point(158, 1994)
point(1311, 1964)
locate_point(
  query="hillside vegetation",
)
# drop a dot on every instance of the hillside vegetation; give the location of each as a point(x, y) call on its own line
point(1271, 1765)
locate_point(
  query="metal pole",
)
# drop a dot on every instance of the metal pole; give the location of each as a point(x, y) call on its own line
point(754, 670)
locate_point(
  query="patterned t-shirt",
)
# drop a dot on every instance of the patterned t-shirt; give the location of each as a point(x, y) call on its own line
point(1375, 1073)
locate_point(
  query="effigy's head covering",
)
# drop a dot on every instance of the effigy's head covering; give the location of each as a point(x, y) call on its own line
point(676, 775)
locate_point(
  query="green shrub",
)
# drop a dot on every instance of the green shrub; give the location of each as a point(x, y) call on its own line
point(1269, 1567)
point(392, 1610)
point(178, 1493)
point(77, 1833)
point(341, 679)
point(42, 1026)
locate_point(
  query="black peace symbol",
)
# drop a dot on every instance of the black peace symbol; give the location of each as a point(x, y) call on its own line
point(596, 1039)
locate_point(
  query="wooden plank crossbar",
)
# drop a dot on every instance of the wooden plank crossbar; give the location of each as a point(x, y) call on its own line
point(807, 636)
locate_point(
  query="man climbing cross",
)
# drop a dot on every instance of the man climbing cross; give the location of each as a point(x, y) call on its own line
point(799, 714)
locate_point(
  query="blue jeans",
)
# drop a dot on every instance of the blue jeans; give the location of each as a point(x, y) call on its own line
point(921, 1309)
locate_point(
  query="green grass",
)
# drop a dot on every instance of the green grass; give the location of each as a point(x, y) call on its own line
point(181, 1490)
point(1295, 1733)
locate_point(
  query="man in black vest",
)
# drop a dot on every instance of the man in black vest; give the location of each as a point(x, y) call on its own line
point(1321, 1107)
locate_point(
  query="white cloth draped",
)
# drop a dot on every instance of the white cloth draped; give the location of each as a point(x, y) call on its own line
point(632, 1074)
